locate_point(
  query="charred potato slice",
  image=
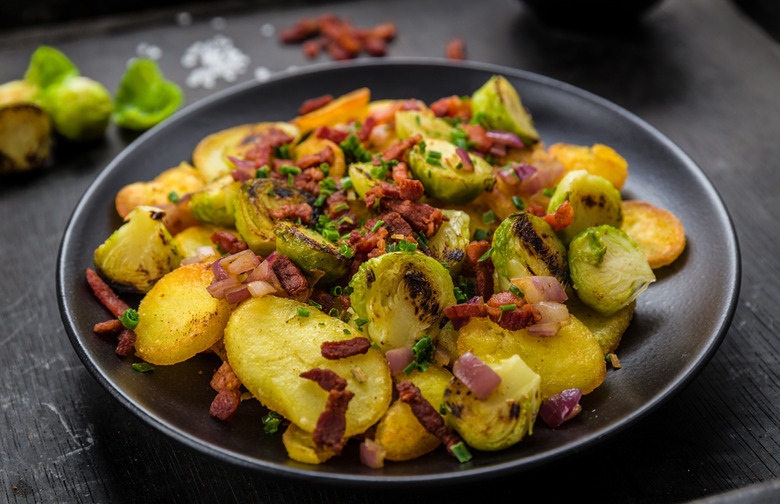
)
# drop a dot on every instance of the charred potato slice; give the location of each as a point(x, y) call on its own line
point(300, 446)
point(348, 107)
point(658, 232)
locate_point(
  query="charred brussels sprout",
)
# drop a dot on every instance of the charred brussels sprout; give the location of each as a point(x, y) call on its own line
point(25, 137)
point(449, 243)
point(413, 122)
point(446, 175)
point(310, 250)
point(498, 103)
point(399, 296)
point(525, 245)
point(505, 416)
point(139, 253)
point(362, 180)
point(608, 269)
point(215, 203)
point(594, 199)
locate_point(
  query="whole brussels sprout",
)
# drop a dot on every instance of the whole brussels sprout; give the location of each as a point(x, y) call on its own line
point(445, 175)
point(310, 250)
point(449, 243)
point(412, 122)
point(80, 108)
point(253, 204)
point(505, 416)
point(138, 253)
point(593, 198)
point(399, 296)
point(526, 245)
point(608, 269)
point(215, 203)
point(499, 104)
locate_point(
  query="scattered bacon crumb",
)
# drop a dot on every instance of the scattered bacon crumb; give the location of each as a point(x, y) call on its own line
point(108, 327)
point(427, 415)
point(105, 294)
point(228, 388)
point(228, 242)
point(482, 270)
point(398, 149)
point(292, 280)
point(292, 212)
point(422, 217)
point(561, 218)
point(313, 104)
point(452, 106)
point(334, 350)
point(325, 378)
point(338, 37)
point(332, 422)
point(126, 343)
point(455, 49)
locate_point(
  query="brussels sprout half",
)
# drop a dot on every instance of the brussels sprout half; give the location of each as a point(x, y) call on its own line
point(608, 269)
point(400, 295)
point(139, 253)
point(525, 245)
point(412, 122)
point(215, 203)
point(310, 250)
point(498, 103)
point(437, 164)
point(505, 416)
point(362, 180)
point(253, 220)
point(593, 198)
point(449, 243)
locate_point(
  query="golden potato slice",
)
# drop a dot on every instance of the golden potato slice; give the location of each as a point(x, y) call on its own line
point(314, 145)
point(178, 316)
point(210, 156)
point(658, 232)
point(597, 160)
point(349, 107)
point(269, 345)
point(196, 236)
point(570, 359)
point(608, 330)
point(300, 446)
point(182, 179)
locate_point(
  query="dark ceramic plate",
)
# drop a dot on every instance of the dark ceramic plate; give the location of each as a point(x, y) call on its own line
point(679, 322)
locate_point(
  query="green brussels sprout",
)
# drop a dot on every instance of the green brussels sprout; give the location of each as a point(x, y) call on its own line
point(79, 106)
point(505, 416)
point(449, 243)
point(526, 245)
point(437, 164)
point(215, 203)
point(413, 122)
point(362, 180)
point(594, 199)
point(498, 103)
point(48, 67)
point(138, 253)
point(18, 91)
point(310, 250)
point(399, 296)
point(608, 270)
point(253, 219)
point(144, 97)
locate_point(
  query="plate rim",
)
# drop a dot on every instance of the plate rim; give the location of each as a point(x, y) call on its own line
point(688, 372)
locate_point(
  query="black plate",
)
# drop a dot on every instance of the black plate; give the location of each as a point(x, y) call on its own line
point(679, 322)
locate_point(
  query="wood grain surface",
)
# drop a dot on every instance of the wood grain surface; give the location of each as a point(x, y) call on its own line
point(701, 71)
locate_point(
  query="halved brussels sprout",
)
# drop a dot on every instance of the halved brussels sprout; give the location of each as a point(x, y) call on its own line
point(362, 180)
point(25, 137)
point(310, 250)
point(525, 245)
point(253, 219)
point(505, 416)
point(499, 104)
point(138, 253)
point(437, 164)
point(594, 199)
point(215, 203)
point(449, 243)
point(144, 97)
point(608, 269)
point(413, 122)
point(400, 295)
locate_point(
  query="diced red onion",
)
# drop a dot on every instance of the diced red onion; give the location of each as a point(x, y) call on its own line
point(465, 158)
point(540, 288)
point(372, 454)
point(218, 270)
point(524, 171)
point(218, 287)
point(259, 288)
point(561, 407)
point(498, 150)
point(240, 262)
point(205, 252)
point(399, 358)
point(271, 258)
point(237, 294)
point(262, 273)
point(189, 260)
point(476, 375)
point(441, 355)
point(554, 315)
point(241, 163)
point(505, 138)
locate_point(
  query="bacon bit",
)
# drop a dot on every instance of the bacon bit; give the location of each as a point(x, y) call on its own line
point(324, 156)
point(427, 415)
point(228, 243)
point(365, 243)
point(108, 327)
point(291, 279)
point(309, 180)
point(126, 342)
point(105, 294)
point(400, 172)
point(325, 378)
point(477, 134)
point(422, 217)
point(313, 104)
point(292, 212)
point(504, 298)
point(334, 135)
point(338, 36)
point(228, 388)
point(460, 314)
point(332, 422)
point(324, 299)
point(405, 189)
point(455, 49)
point(535, 209)
point(561, 218)
point(452, 106)
point(365, 128)
point(334, 350)
point(262, 151)
point(398, 149)
point(482, 270)
point(396, 226)
point(303, 29)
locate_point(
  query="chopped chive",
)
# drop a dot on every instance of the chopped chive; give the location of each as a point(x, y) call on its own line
point(489, 217)
point(330, 234)
point(346, 251)
point(346, 183)
point(320, 200)
point(325, 168)
point(461, 452)
point(514, 290)
point(548, 192)
point(508, 307)
point(173, 197)
point(434, 154)
point(289, 170)
point(361, 322)
point(422, 146)
point(340, 207)
point(130, 319)
point(315, 304)
point(336, 290)
point(334, 312)
point(480, 235)
point(486, 255)
point(347, 331)
point(376, 227)
point(262, 172)
point(142, 367)
point(406, 246)
point(518, 202)
point(303, 312)
point(271, 422)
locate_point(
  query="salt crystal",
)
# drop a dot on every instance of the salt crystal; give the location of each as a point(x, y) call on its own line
point(213, 59)
point(267, 30)
point(262, 74)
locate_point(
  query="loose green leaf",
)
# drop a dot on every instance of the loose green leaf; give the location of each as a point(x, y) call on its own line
point(144, 97)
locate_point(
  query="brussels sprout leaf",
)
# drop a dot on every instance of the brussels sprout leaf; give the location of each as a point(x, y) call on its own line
point(144, 97)
point(49, 66)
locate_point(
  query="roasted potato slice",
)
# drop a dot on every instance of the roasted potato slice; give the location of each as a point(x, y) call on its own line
point(300, 446)
point(25, 137)
point(608, 330)
point(197, 236)
point(179, 318)
point(349, 107)
point(598, 159)
point(269, 345)
point(657, 231)
point(181, 180)
point(314, 145)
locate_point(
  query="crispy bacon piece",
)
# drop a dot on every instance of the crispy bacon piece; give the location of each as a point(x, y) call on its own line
point(452, 106)
point(338, 36)
point(455, 49)
point(290, 277)
point(369, 241)
point(105, 294)
point(325, 378)
point(332, 422)
point(126, 342)
point(396, 225)
point(366, 127)
point(460, 314)
point(427, 414)
point(477, 134)
point(303, 29)
point(334, 135)
point(228, 388)
point(399, 148)
point(400, 172)
point(334, 350)
point(561, 218)
point(405, 189)
point(228, 242)
point(535, 209)
point(482, 270)
point(422, 217)
point(309, 180)
point(313, 104)
point(324, 299)
point(324, 156)
point(292, 212)
point(108, 327)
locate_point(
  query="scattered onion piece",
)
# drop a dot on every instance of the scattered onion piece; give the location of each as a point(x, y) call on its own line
point(505, 138)
point(468, 166)
point(561, 407)
point(218, 288)
point(259, 288)
point(219, 271)
point(553, 317)
point(240, 262)
point(372, 454)
point(540, 288)
point(399, 358)
point(476, 375)
point(237, 294)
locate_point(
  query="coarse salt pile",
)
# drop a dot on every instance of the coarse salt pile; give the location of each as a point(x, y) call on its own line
point(213, 59)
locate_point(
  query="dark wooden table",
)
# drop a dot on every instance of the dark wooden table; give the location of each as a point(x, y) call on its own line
point(701, 71)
